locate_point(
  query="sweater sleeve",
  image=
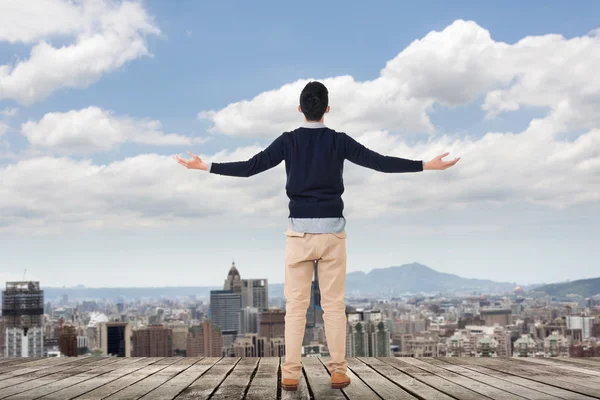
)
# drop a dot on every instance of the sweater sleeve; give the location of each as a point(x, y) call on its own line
point(266, 159)
point(361, 155)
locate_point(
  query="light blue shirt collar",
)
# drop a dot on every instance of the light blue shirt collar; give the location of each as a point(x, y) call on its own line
point(313, 124)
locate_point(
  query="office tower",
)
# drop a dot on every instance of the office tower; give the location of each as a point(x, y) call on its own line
point(252, 345)
point(68, 341)
point(180, 334)
point(493, 316)
point(23, 305)
point(272, 323)
point(378, 338)
point(314, 313)
point(525, 346)
point(248, 320)
point(115, 338)
point(233, 281)
point(23, 312)
point(225, 308)
point(83, 344)
point(154, 341)
point(357, 340)
point(2, 337)
point(24, 342)
point(255, 293)
point(204, 340)
point(583, 323)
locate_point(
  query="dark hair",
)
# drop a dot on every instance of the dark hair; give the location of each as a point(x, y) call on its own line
point(314, 100)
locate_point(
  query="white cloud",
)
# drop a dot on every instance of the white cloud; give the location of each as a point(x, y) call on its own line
point(106, 34)
point(3, 128)
point(452, 67)
point(47, 194)
point(93, 129)
point(456, 66)
point(9, 112)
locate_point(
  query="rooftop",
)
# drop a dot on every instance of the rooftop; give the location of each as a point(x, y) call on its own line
point(257, 378)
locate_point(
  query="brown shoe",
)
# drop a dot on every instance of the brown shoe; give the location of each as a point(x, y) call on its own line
point(289, 384)
point(339, 380)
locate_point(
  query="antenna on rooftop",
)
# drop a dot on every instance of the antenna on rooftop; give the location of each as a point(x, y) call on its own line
point(24, 272)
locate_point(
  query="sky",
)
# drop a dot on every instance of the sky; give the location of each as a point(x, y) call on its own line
point(96, 97)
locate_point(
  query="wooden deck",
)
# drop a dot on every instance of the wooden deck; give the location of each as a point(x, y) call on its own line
point(258, 378)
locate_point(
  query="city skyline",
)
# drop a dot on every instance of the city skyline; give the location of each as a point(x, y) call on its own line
point(90, 193)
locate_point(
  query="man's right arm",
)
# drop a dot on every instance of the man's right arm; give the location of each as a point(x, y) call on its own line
point(360, 155)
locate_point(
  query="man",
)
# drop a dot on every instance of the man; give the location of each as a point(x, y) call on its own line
point(314, 157)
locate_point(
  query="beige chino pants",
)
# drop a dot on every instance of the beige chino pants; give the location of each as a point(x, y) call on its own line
point(301, 251)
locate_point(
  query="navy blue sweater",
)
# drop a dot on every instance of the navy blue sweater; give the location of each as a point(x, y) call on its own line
point(314, 164)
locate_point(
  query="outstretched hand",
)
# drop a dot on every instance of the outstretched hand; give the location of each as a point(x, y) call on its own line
point(437, 163)
point(194, 163)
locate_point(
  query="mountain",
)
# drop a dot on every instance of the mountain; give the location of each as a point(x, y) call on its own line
point(391, 281)
point(410, 278)
point(582, 287)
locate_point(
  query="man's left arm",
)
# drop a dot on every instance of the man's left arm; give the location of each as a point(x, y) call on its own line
point(268, 158)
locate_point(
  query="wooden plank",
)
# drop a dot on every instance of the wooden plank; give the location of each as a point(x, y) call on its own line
point(173, 387)
point(266, 380)
point(570, 374)
point(562, 365)
point(35, 379)
point(360, 389)
point(451, 383)
point(25, 368)
point(517, 380)
point(407, 382)
point(538, 375)
point(204, 386)
point(125, 368)
point(318, 380)
point(583, 362)
point(151, 382)
point(484, 384)
point(384, 388)
point(301, 394)
point(45, 372)
point(238, 381)
point(68, 380)
point(148, 368)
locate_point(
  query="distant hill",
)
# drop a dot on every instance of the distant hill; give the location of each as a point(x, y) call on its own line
point(411, 278)
point(582, 287)
point(391, 281)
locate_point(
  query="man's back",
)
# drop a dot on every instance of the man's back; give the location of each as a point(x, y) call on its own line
point(314, 160)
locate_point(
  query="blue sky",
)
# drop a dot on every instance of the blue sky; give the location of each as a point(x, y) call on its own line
point(511, 211)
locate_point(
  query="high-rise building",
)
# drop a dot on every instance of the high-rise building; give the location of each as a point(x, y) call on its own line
point(248, 320)
point(493, 316)
point(225, 308)
point(255, 293)
point(23, 304)
point(357, 340)
point(379, 339)
point(252, 345)
point(68, 341)
point(204, 340)
point(233, 281)
point(153, 341)
point(272, 323)
point(23, 312)
point(115, 338)
point(2, 337)
point(180, 334)
point(314, 313)
point(24, 342)
point(583, 323)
